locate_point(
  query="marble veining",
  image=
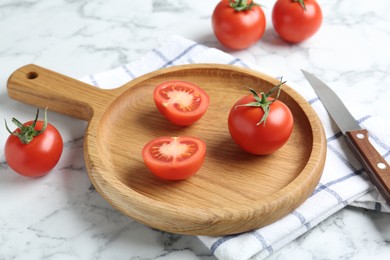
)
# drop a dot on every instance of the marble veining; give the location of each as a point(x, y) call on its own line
point(61, 216)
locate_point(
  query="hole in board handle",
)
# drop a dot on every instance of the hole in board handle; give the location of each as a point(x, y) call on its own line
point(381, 166)
point(32, 75)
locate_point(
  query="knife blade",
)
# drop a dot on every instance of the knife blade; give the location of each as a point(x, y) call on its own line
point(357, 138)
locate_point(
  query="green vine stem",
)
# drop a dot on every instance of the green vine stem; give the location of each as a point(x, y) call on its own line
point(27, 133)
point(242, 5)
point(302, 3)
point(262, 100)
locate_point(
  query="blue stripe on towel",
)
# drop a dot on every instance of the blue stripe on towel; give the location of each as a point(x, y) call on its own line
point(170, 62)
point(256, 234)
point(263, 242)
point(222, 240)
point(380, 143)
point(334, 137)
point(313, 100)
point(341, 157)
point(301, 218)
point(364, 118)
point(237, 60)
point(128, 72)
point(321, 187)
point(160, 55)
point(93, 80)
point(378, 207)
point(308, 226)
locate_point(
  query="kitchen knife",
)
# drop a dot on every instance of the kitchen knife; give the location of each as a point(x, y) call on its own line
point(357, 138)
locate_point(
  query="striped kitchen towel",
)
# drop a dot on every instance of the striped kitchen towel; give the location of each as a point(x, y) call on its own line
point(344, 182)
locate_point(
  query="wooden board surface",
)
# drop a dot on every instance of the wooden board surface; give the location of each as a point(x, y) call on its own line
point(233, 192)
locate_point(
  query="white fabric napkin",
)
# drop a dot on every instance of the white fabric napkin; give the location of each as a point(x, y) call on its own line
point(344, 182)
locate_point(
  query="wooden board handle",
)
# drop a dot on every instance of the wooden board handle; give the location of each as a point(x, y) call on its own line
point(376, 166)
point(41, 87)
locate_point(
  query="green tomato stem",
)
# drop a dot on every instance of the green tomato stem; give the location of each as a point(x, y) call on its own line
point(302, 3)
point(27, 133)
point(241, 5)
point(263, 102)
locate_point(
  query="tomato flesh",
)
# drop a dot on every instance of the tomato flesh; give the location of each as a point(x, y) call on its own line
point(261, 139)
point(182, 103)
point(174, 158)
point(38, 157)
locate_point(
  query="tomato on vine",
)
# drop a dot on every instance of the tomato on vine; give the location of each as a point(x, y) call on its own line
point(296, 20)
point(34, 148)
point(260, 124)
point(238, 24)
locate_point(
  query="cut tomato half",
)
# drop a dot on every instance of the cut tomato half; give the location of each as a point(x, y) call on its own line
point(181, 102)
point(174, 158)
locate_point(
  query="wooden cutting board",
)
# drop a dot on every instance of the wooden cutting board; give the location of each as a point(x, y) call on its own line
point(232, 193)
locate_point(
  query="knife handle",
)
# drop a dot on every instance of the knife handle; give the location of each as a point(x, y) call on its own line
point(376, 166)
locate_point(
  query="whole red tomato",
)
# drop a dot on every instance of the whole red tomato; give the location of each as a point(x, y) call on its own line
point(238, 24)
point(174, 158)
point(33, 149)
point(296, 20)
point(260, 125)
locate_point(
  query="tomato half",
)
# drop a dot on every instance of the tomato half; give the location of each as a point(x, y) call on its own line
point(37, 157)
point(174, 158)
point(255, 137)
point(182, 103)
point(237, 24)
point(296, 21)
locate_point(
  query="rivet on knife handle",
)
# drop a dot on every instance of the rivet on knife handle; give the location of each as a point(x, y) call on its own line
point(376, 166)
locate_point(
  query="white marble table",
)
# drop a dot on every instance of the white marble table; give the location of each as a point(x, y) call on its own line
point(59, 217)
